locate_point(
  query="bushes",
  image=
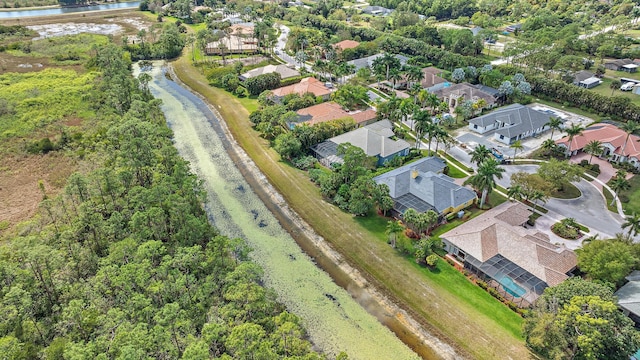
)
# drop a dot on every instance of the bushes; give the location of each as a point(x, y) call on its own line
point(262, 82)
point(592, 168)
point(567, 229)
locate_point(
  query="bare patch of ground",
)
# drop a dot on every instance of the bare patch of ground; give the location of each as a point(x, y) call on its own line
point(51, 30)
point(20, 193)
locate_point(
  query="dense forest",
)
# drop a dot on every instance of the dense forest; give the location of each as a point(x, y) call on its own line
point(123, 263)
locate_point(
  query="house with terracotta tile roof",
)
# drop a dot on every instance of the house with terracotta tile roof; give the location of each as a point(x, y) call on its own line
point(517, 261)
point(308, 85)
point(374, 139)
point(346, 44)
point(614, 142)
point(331, 111)
point(284, 71)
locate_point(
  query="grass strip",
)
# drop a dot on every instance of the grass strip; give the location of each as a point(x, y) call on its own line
point(472, 321)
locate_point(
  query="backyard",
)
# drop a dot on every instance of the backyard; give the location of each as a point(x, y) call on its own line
point(604, 89)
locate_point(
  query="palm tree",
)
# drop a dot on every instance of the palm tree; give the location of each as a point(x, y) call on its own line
point(617, 184)
point(555, 123)
point(431, 129)
point(629, 127)
point(516, 146)
point(633, 223)
point(421, 121)
point(485, 179)
point(391, 62)
point(594, 147)
point(414, 74)
point(615, 85)
point(573, 131)
point(480, 154)
point(393, 229)
point(410, 217)
point(549, 146)
point(515, 192)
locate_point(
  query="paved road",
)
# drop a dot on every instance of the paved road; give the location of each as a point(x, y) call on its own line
point(280, 46)
point(589, 209)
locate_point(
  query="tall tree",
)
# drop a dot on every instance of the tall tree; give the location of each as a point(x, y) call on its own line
point(559, 173)
point(516, 146)
point(594, 147)
point(607, 260)
point(632, 224)
point(555, 123)
point(392, 231)
point(480, 154)
point(618, 184)
point(572, 132)
point(485, 179)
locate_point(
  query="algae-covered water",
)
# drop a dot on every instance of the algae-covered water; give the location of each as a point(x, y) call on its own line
point(334, 320)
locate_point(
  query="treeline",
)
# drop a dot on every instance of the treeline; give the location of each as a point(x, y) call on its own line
point(440, 9)
point(168, 45)
point(124, 264)
point(615, 106)
point(393, 43)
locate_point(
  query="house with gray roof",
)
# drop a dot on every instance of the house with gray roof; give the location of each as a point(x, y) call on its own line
point(284, 71)
point(517, 261)
point(422, 186)
point(374, 139)
point(377, 10)
point(629, 297)
point(511, 123)
point(368, 61)
point(586, 79)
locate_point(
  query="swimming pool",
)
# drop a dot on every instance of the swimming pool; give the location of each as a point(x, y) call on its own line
point(510, 286)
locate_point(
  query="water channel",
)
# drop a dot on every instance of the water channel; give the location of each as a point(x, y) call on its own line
point(14, 14)
point(334, 319)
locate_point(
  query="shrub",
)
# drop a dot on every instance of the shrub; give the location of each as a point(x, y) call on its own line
point(42, 146)
point(432, 260)
point(305, 162)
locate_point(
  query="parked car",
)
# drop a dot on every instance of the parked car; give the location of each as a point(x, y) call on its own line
point(628, 86)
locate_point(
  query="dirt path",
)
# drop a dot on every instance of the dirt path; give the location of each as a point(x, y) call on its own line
point(435, 309)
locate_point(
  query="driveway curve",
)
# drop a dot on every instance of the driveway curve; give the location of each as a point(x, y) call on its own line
point(589, 209)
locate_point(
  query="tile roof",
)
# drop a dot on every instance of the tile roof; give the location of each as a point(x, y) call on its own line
point(331, 111)
point(437, 190)
point(431, 76)
point(368, 61)
point(467, 91)
point(374, 139)
point(346, 44)
point(518, 118)
point(489, 234)
point(306, 85)
point(284, 71)
point(606, 134)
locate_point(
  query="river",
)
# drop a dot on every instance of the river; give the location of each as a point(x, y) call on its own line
point(14, 14)
point(335, 321)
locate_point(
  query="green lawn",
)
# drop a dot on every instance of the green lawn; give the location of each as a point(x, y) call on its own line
point(609, 197)
point(604, 89)
point(572, 109)
point(455, 282)
point(569, 191)
point(633, 194)
point(455, 173)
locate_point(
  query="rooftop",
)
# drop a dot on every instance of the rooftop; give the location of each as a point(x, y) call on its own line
point(346, 44)
point(284, 71)
point(606, 134)
point(306, 85)
point(331, 111)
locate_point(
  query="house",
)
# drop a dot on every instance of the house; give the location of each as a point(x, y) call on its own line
point(586, 79)
point(432, 79)
point(305, 86)
point(513, 28)
point(621, 65)
point(612, 139)
point(629, 297)
point(329, 111)
point(374, 139)
point(513, 122)
point(239, 41)
point(368, 61)
point(284, 71)
point(345, 44)
point(377, 11)
point(495, 93)
point(518, 262)
point(421, 185)
point(455, 94)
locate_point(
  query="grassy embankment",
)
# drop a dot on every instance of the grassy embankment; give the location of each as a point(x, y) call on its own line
point(446, 302)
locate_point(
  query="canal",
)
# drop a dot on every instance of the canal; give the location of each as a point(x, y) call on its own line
point(334, 319)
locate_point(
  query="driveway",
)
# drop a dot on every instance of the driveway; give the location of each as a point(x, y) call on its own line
point(281, 53)
point(589, 209)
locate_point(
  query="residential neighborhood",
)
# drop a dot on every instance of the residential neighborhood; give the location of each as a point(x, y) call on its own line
point(320, 179)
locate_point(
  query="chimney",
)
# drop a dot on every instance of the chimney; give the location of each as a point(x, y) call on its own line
point(414, 173)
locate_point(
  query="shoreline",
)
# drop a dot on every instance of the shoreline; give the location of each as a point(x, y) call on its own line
point(417, 338)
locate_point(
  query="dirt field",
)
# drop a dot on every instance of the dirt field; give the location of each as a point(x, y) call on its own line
point(19, 176)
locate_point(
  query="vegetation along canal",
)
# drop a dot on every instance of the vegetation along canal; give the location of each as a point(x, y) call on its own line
point(334, 319)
